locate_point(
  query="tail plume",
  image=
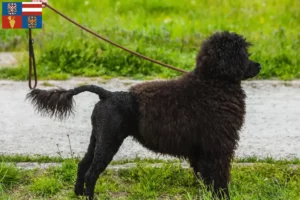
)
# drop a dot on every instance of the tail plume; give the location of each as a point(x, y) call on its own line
point(57, 103)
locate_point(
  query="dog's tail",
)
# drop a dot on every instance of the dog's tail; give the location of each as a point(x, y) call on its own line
point(58, 103)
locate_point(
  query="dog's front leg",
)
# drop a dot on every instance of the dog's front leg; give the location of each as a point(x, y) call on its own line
point(215, 173)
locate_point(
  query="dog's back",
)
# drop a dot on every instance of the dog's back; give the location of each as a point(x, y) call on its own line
point(181, 116)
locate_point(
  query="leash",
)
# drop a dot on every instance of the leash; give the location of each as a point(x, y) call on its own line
point(32, 59)
point(32, 65)
point(113, 43)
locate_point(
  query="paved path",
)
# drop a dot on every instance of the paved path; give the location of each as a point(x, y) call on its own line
point(272, 125)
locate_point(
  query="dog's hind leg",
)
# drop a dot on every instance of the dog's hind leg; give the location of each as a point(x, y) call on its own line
point(109, 138)
point(84, 165)
point(215, 173)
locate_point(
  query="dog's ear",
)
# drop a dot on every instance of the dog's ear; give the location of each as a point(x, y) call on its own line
point(223, 56)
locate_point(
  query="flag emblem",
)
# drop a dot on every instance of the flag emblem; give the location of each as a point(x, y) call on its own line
point(12, 21)
point(12, 8)
point(32, 21)
point(18, 15)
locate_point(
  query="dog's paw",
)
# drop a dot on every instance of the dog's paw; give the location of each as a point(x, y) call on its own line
point(89, 197)
point(79, 190)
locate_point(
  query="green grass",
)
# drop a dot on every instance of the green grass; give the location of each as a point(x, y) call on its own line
point(269, 160)
point(30, 158)
point(170, 31)
point(9, 175)
point(171, 181)
point(45, 187)
point(56, 159)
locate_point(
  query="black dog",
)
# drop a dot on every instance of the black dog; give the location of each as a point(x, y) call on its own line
point(197, 116)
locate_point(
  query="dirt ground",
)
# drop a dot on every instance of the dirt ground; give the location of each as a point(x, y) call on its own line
point(272, 125)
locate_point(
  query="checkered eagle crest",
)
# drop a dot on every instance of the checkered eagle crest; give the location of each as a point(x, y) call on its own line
point(32, 21)
point(12, 8)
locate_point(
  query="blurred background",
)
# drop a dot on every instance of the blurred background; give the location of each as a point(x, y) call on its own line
point(170, 31)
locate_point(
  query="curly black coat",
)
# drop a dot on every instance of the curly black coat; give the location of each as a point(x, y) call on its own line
point(197, 116)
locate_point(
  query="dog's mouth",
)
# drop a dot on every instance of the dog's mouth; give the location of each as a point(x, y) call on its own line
point(252, 70)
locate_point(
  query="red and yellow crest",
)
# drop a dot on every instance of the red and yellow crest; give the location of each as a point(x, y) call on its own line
point(31, 21)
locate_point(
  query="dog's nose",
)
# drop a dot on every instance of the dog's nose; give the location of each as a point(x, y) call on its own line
point(259, 66)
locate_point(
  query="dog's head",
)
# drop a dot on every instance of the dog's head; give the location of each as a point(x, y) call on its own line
point(225, 56)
